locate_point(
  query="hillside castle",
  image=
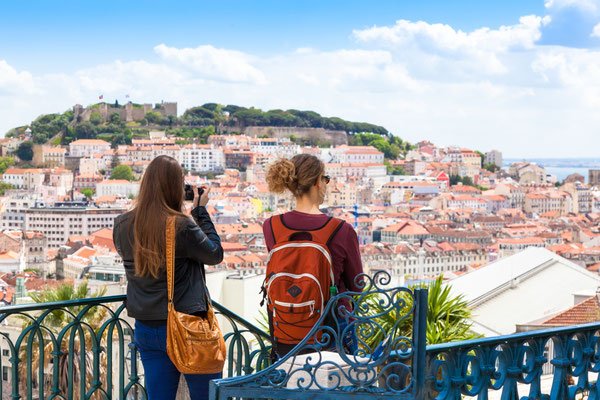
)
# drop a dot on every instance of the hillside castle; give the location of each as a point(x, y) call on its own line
point(129, 112)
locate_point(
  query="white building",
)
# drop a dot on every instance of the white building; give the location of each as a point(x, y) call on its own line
point(76, 264)
point(107, 268)
point(522, 288)
point(91, 165)
point(494, 157)
point(202, 158)
point(274, 147)
point(355, 154)
point(117, 187)
point(88, 147)
point(24, 178)
point(53, 156)
point(12, 210)
point(62, 220)
point(9, 261)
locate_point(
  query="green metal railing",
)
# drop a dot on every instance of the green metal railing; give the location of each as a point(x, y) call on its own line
point(83, 349)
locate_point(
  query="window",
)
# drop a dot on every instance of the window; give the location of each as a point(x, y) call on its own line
point(5, 352)
point(5, 374)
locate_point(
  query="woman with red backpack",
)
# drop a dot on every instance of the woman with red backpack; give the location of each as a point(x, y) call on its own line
point(312, 256)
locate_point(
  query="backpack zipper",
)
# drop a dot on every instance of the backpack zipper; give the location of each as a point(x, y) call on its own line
point(313, 245)
point(310, 303)
point(297, 276)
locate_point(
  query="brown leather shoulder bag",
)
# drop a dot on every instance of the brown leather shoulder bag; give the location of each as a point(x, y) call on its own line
point(195, 344)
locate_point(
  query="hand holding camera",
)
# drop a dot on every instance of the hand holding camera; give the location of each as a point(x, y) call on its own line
point(199, 194)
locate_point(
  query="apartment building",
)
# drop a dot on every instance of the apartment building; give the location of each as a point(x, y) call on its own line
point(510, 246)
point(239, 159)
point(355, 154)
point(283, 147)
point(64, 219)
point(53, 156)
point(88, 147)
point(409, 231)
point(117, 187)
point(24, 178)
point(494, 157)
point(430, 259)
point(544, 202)
point(12, 212)
point(594, 177)
point(202, 158)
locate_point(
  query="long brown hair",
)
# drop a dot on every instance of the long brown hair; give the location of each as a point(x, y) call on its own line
point(297, 175)
point(161, 195)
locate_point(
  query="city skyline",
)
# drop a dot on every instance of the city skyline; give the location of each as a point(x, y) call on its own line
point(516, 76)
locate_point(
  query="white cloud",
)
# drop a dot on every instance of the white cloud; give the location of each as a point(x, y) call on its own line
point(444, 38)
point(479, 51)
point(486, 88)
point(584, 5)
point(596, 31)
point(13, 81)
point(213, 63)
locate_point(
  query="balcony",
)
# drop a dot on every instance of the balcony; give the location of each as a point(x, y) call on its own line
point(83, 349)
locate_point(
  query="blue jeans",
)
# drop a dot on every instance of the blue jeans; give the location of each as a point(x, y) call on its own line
point(161, 376)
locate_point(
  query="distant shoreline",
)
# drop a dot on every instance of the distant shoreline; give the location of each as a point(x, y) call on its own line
point(589, 163)
point(561, 167)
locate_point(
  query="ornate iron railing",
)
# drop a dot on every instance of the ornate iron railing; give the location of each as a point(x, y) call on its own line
point(82, 349)
point(366, 344)
point(512, 366)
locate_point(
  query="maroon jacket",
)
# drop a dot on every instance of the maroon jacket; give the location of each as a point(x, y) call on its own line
point(345, 252)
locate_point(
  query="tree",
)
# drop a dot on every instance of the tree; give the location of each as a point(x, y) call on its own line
point(114, 162)
point(25, 151)
point(491, 167)
point(153, 117)
point(88, 192)
point(122, 172)
point(448, 318)
point(481, 156)
point(96, 118)
point(115, 118)
point(394, 170)
point(6, 163)
point(70, 358)
point(4, 187)
point(85, 130)
point(465, 180)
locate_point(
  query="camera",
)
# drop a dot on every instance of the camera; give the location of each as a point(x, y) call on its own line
point(189, 192)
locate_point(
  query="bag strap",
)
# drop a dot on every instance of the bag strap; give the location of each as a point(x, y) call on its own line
point(323, 235)
point(170, 258)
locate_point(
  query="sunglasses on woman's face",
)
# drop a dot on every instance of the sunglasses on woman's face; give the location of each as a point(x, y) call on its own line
point(326, 178)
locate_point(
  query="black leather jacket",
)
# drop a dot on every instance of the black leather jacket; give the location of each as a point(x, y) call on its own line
point(196, 243)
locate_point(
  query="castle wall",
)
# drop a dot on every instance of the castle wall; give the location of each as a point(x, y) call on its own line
point(336, 137)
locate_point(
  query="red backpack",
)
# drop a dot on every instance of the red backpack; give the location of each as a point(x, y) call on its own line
point(299, 280)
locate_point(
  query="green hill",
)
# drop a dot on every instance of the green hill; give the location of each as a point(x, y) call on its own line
point(198, 123)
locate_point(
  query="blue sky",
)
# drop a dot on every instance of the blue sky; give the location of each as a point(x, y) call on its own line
point(54, 35)
point(471, 73)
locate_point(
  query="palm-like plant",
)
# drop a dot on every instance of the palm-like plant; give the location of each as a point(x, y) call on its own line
point(56, 322)
point(447, 316)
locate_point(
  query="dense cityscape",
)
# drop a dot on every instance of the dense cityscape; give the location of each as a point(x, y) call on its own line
point(425, 212)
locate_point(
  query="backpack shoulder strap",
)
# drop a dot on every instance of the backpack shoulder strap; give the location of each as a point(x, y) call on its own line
point(326, 234)
point(280, 232)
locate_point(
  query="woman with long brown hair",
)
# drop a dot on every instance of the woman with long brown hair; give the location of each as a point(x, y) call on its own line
point(139, 237)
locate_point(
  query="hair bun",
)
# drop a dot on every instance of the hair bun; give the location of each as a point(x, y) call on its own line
point(281, 175)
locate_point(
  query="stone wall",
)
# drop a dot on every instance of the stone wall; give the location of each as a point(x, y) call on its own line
point(335, 137)
point(127, 113)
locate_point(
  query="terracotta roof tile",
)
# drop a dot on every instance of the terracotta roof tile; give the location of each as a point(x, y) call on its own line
point(584, 312)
